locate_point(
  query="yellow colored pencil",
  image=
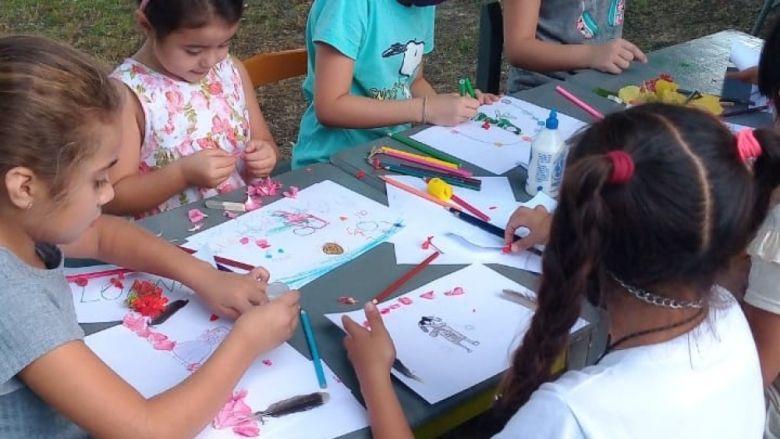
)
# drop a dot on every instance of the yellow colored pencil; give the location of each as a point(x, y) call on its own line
point(420, 157)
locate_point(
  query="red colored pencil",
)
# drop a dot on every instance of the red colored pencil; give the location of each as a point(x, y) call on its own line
point(470, 208)
point(225, 261)
point(393, 287)
point(98, 274)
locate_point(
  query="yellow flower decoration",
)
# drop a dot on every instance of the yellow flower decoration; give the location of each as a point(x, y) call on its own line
point(665, 90)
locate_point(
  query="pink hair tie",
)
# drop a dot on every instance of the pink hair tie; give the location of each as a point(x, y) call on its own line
point(747, 145)
point(143, 4)
point(622, 167)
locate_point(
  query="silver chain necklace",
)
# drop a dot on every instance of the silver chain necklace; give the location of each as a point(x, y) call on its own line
point(657, 299)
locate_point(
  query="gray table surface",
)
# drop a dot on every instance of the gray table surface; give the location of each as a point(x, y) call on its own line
point(362, 278)
point(697, 64)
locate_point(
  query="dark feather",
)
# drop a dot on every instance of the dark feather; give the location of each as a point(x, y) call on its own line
point(296, 404)
point(170, 310)
point(405, 371)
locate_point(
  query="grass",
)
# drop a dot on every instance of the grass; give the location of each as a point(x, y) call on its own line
point(105, 29)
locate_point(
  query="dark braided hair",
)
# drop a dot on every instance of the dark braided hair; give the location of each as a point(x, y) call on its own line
point(690, 206)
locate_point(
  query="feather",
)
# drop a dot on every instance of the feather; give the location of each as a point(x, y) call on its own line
point(521, 297)
point(170, 309)
point(405, 371)
point(296, 404)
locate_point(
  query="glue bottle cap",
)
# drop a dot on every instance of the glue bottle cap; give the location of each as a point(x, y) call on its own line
point(552, 120)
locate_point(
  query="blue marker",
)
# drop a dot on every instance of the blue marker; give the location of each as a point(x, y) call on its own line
point(315, 353)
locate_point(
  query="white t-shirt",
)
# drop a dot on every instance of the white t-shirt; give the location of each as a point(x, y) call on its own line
point(703, 384)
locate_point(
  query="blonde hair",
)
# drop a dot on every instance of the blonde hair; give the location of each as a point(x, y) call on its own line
point(51, 98)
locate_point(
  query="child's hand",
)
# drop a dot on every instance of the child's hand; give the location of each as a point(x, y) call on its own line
point(230, 294)
point(260, 157)
point(207, 168)
point(536, 220)
point(450, 109)
point(266, 327)
point(615, 56)
point(486, 98)
point(749, 75)
point(371, 352)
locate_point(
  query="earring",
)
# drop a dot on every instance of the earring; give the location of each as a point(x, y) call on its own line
point(29, 205)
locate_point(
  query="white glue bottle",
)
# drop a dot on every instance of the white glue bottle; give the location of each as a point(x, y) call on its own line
point(548, 155)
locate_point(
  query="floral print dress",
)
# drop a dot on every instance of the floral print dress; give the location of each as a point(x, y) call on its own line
point(182, 118)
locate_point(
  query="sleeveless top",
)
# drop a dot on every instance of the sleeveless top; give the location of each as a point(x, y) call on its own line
point(570, 22)
point(182, 118)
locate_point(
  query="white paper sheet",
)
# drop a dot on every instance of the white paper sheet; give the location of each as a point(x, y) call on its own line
point(460, 242)
point(274, 376)
point(745, 55)
point(300, 239)
point(454, 332)
point(101, 300)
point(494, 148)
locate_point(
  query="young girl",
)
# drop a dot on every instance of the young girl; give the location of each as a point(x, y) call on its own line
point(192, 124)
point(366, 75)
point(762, 298)
point(60, 127)
point(654, 203)
point(549, 39)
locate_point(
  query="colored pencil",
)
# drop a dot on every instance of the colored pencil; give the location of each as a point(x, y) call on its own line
point(486, 226)
point(462, 86)
point(744, 111)
point(413, 159)
point(470, 88)
point(408, 141)
point(98, 274)
point(315, 353)
point(224, 261)
point(468, 206)
point(434, 173)
point(415, 191)
point(387, 150)
point(393, 287)
point(578, 102)
point(416, 172)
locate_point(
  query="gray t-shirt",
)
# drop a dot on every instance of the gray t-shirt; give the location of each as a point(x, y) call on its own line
point(36, 316)
point(570, 22)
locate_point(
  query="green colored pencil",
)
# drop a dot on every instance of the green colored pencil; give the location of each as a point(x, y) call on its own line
point(419, 146)
point(462, 86)
point(470, 88)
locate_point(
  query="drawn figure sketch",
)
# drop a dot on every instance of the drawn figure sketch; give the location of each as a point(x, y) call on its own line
point(435, 326)
point(192, 353)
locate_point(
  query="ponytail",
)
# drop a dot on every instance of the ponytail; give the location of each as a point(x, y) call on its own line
point(579, 228)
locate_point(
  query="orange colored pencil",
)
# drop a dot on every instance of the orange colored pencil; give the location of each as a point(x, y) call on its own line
point(419, 193)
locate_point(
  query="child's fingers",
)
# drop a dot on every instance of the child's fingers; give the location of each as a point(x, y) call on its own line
point(375, 320)
point(351, 327)
point(259, 273)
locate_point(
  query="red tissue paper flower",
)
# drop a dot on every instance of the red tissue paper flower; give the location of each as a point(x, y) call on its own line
point(146, 298)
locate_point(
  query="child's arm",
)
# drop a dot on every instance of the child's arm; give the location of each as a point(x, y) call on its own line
point(75, 382)
point(766, 327)
point(335, 107)
point(372, 354)
point(524, 50)
point(120, 242)
point(261, 152)
point(135, 192)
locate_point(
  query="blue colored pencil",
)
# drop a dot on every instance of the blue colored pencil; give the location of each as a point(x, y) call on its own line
point(315, 353)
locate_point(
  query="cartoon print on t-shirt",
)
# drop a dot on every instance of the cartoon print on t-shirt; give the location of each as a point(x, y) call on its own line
point(412, 52)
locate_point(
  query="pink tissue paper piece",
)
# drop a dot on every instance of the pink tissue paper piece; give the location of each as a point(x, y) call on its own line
point(196, 216)
point(405, 300)
point(264, 187)
point(139, 325)
point(236, 414)
point(262, 243)
point(244, 240)
point(457, 291)
point(292, 192)
point(428, 295)
point(231, 215)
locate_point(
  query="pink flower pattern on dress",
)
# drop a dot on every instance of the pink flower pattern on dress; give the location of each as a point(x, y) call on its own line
point(183, 118)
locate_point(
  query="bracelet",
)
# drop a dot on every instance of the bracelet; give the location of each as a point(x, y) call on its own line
point(424, 118)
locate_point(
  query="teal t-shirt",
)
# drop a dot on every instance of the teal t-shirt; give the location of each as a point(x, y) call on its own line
point(386, 40)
